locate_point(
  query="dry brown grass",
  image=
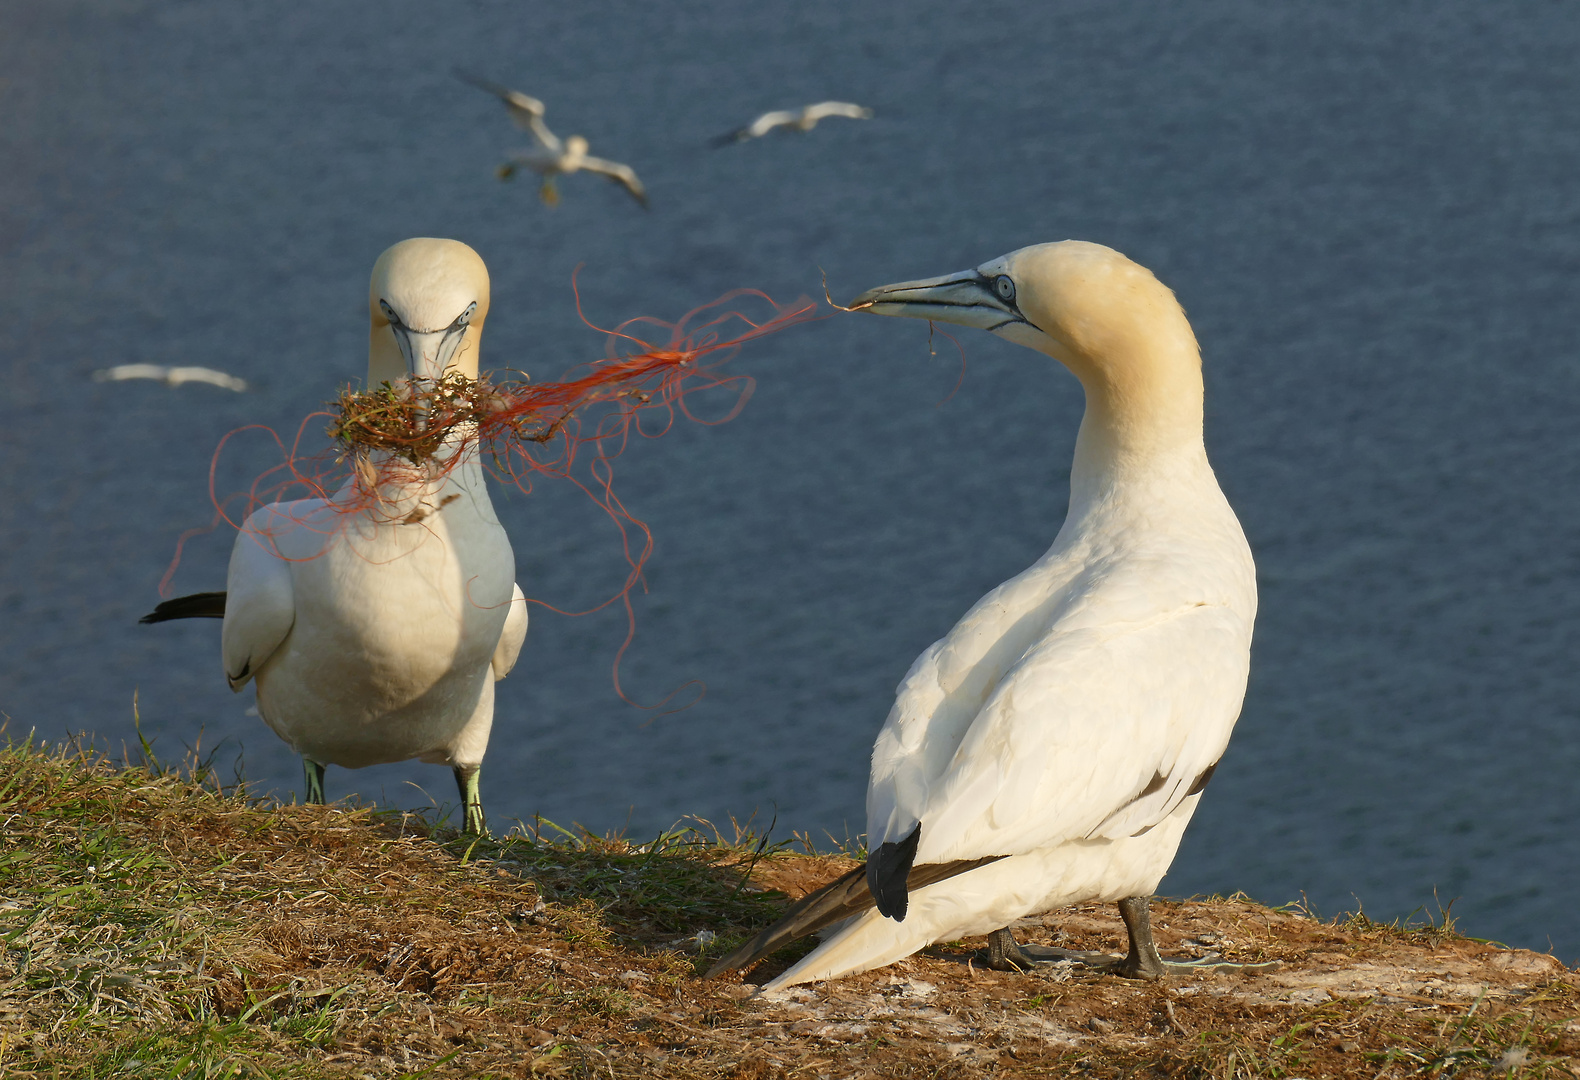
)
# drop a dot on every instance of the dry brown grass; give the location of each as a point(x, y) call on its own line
point(154, 926)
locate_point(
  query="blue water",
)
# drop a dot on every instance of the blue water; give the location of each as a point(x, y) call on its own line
point(1371, 213)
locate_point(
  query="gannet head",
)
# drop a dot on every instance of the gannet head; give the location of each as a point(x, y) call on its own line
point(426, 302)
point(1083, 304)
point(575, 148)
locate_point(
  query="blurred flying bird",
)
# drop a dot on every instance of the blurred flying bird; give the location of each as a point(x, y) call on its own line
point(551, 158)
point(804, 119)
point(375, 623)
point(171, 376)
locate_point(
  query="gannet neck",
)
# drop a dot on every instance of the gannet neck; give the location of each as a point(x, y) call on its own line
point(400, 485)
point(427, 301)
point(1143, 418)
point(1110, 321)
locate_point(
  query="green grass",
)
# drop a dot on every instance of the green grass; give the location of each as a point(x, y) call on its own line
point(141, 931)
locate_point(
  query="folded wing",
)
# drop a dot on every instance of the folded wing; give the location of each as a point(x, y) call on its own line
point(1096, 732)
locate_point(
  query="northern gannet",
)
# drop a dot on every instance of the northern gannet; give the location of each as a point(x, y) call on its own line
point(171, 376)
point(1051, 749)
point(551, 157)
point(803, 119)
point(374, 629)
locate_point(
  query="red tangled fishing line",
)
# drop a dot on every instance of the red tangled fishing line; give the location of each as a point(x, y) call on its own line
point(572, 430)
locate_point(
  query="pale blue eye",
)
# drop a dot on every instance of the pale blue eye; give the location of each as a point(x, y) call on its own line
point(1005, 288)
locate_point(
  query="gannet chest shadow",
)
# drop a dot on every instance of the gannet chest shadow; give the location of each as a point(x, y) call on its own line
point(374, 625)
point(1050, 749)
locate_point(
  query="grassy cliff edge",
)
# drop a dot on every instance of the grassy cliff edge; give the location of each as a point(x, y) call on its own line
point(155, 924)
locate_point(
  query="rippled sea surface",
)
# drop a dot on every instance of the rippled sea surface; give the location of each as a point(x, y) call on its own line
point(1371, 213)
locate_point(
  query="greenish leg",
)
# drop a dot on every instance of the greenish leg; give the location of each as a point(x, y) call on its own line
point(315, 780)
point(466, 781)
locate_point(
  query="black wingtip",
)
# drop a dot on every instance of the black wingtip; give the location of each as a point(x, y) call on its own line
point(844, 896)
point(887, 871)
point(475, 80)
point(719, 141)
point(203, 605)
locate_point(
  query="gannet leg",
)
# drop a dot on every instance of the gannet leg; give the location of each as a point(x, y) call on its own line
point(1005, 954)
point(315, 780)
point(1143, 961)
point(549, 193)
point(466, 782)
point(506, 170)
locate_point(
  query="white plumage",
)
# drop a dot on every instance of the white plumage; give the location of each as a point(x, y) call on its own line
point(374, 629)
point(171, 376)
point(802, 119)
point(550, 157)
point(1066, 724)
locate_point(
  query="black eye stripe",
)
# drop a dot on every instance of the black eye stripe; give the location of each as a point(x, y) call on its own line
point(999, 285)
point(462, 321)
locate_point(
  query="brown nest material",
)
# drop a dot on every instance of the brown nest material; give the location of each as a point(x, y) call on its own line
point(414, 418)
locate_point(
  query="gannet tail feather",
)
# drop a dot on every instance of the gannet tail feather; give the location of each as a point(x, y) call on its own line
point(839, 899)
point(203, 605)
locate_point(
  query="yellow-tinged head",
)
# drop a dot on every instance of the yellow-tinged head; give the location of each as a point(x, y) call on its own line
point(1109, 320)
point(426, 303)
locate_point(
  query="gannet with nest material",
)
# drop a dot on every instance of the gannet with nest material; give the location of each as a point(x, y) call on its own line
point(803, 119)
point(374, 629)
point(1051, 749)
point(551, 157)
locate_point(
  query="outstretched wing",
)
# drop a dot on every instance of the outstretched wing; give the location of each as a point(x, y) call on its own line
point(512, 636)
point(623, 175)
point(526, 111)
point(823, 109)
point(757, 128)
point(260, 607)
point(1095, 732)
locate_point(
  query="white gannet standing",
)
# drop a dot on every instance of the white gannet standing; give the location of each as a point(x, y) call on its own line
point(1052, 747)
point(374, 629)
point(802, 119)
point(551, 157)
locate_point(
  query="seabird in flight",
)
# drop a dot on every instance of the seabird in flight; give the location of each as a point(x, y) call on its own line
point(171, 376)
point(551, 157)
point(803, 119)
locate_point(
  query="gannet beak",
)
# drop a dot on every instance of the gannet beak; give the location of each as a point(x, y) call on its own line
point(428, 354)
point(968, 298)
